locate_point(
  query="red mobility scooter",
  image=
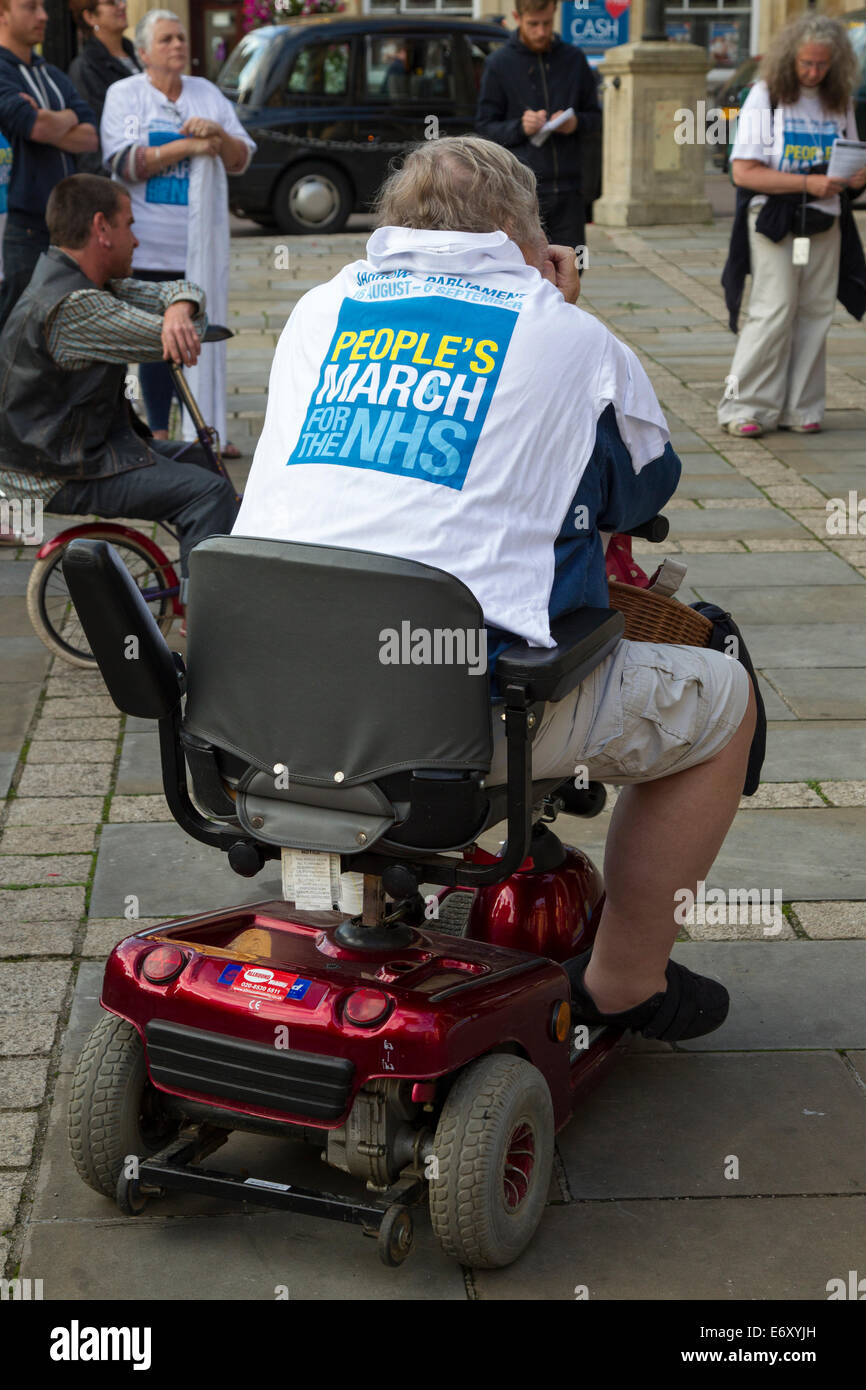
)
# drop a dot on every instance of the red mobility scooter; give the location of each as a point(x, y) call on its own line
point(423, 1042)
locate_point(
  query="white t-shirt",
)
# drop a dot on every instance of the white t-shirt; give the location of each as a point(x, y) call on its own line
point(792, 139)
point(136, 113)
point(438, 401)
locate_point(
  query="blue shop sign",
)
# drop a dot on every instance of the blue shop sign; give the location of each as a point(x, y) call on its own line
point(595, 25)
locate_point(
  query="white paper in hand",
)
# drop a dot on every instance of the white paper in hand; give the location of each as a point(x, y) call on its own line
point(847, 157)
point(550, 126)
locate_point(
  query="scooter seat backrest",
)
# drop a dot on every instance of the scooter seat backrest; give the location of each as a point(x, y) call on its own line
point(326, 670)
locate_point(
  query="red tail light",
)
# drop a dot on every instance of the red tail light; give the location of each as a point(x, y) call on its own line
point(366, 1007)
point(163, 964)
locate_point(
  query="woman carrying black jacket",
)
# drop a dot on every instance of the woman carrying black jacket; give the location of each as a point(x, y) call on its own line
point(106, 57)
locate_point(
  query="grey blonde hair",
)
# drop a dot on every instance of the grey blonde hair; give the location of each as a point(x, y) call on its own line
point(779, 68)
point(462, 183)
point(146, 25)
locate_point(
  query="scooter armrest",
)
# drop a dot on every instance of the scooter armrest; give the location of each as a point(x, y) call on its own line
point(583, 639)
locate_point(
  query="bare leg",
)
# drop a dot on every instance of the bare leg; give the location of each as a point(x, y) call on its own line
point(664, 835)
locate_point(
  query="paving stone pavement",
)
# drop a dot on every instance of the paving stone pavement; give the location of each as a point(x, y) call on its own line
point(87, 849)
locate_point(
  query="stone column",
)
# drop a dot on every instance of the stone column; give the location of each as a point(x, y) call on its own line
point(648, 176)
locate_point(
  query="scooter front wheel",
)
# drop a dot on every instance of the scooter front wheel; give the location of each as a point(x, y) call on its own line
point(52, 611)
point(494, 1157)
point(115, 1113)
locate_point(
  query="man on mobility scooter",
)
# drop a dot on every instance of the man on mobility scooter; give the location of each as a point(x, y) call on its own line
point(67, 433)
point(446, 401)
point(415, 499)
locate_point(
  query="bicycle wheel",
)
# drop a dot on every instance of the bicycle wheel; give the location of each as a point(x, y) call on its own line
point(51, 609)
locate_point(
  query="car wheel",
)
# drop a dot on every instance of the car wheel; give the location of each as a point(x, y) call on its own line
point(312, 198)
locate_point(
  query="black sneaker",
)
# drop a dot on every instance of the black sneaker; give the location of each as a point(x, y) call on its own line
point(691, 1006)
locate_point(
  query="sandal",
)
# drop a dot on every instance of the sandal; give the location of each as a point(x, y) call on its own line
point(749, 428)
point(691, 1006)
point(814, 428)
point(230, 451)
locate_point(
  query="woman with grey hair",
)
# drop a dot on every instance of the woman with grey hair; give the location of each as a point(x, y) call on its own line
point(171, 139)
point(792, 222)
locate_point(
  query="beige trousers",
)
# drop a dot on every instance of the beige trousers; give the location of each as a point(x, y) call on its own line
point(778, 375)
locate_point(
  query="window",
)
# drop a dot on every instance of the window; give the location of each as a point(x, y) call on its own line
point(400, 67)
point(240, 72)
point(320, 70)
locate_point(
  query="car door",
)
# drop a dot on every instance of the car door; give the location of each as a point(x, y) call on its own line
point(407, 91)
point(306, 100)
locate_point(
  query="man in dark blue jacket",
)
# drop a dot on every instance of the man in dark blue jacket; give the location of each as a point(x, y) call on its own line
point(529, 80)
point(47, 124)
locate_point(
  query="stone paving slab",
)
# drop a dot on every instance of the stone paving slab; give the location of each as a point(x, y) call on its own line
point(133, 860)
point(140, 770)
point(807, 749)
point(831, 693)
point(17, 703)
point(37, 904)
point(13, 579)
point(774, 705)
point(25, 660)
point(14, 621)
point(40, 811)
point(733, 521)
point(44, 868)
point(808, 645)
point(830, 921)
point(22, 1082)
point(784, 994)
point(793, 604)
point(38, 938)
point(712, 1249)
point(704, 485)
point(64, 839)
point(11, 1186)
point(16, 1139)
point(705, 465)
point(795, 1122)
point(771, 571)
point(26, 1034)
point(8, 764)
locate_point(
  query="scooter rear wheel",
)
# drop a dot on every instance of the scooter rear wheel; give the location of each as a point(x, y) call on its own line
point(494, 1156)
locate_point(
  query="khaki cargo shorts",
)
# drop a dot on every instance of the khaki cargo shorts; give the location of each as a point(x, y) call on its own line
point(650, 709)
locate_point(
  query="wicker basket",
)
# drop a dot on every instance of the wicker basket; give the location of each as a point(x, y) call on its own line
point(653, 618)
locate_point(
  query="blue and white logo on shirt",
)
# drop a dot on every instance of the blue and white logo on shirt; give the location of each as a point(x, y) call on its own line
point(405, 387)
point(172, 184)
point(804, 146)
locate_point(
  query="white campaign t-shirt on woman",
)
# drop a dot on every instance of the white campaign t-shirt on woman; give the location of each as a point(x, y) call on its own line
point(136, 113)
point(793, 139)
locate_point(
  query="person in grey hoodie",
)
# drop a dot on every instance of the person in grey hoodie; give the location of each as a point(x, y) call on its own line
point(47, 125)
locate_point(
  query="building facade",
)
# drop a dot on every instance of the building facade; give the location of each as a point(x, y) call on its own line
point(729, 29)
